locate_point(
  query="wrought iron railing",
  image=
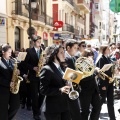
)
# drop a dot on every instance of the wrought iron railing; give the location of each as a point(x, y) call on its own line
point(70, 1)
point(68, 27)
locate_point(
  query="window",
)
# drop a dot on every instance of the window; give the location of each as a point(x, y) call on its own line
point(17, 38)
point(97, 6)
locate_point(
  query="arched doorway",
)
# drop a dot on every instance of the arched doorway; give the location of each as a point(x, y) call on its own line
point(17, 38)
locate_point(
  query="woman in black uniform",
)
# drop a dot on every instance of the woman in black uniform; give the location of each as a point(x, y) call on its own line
point(106, 88)
point(53, 86)
point(9, 103)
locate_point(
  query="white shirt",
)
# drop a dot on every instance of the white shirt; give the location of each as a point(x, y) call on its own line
point(68, 54)
point(36, 49)
point(57, 65)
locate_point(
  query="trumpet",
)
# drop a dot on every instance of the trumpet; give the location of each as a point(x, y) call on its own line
point(102, 75)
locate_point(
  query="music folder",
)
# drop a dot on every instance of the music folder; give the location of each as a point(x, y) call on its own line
point(21, 56)
point(73, 75)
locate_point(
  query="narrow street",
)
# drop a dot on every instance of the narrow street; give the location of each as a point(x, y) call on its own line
point(23, 114)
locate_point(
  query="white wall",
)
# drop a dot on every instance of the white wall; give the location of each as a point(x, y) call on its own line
point(3, 6)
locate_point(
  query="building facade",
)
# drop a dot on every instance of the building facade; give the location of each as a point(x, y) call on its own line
point(75, 16)
point(18, 23)
point(3, 17)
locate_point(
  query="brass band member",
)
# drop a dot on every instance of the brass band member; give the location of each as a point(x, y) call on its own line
point(71, 49)
point(106, 88)
point(53, 86)
point(9, 103)
point(89, 94)
point(32, 59)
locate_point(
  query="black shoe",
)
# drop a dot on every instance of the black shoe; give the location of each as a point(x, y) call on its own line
point(22, 106)
point(29, 108)
point(36, 117)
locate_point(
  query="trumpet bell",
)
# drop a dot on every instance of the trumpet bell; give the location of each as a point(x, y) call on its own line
point(73, 95)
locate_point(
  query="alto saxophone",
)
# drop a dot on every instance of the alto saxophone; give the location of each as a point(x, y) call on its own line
point(40, 64)
point(15, 79)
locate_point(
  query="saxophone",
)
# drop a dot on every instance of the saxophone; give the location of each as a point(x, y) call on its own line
point(40, 64)
point(15, 79)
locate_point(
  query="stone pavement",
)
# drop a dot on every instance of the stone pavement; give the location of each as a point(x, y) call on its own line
point(23, 114)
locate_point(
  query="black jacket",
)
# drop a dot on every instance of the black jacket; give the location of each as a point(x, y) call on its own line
point(50, 83)
point(102, 61)
point(31, 61)
point(69, 61)
point(5, 72)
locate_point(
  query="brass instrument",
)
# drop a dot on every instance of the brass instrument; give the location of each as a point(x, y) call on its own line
point(73, 94)
point(102, 75)
point(84, 65)
point(40, 64)
point(15, 79)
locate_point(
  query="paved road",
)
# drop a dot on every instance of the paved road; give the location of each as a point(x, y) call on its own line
point(23, 114)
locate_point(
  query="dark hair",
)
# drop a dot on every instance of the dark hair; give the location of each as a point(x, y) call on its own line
point(6, 48)
point(51, 52)
point(112, 44)
point(80, 43)
point(71, 43)
point(103, 49)
point(87, 53)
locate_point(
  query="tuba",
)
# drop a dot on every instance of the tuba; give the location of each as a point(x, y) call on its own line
point(15, 79)
point(40, 64)
point(85, 65)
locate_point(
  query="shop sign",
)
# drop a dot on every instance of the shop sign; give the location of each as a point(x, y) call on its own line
point(2, 21)
point(58, 24)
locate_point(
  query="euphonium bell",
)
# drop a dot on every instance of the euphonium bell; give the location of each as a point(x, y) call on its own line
point(73, 94)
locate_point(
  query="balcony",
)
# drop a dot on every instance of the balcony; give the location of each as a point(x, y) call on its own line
point(76, 8)
point(83, 5)
point(76, 31)
point(68, 28)
point(49, 20)
point(42, 17)
point(70, 2)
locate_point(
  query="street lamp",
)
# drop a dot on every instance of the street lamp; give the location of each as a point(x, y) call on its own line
point(30, 5)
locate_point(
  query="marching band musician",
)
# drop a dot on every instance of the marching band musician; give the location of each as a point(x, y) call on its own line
point(31, 60)
point(9, 102)
point(25, 91)
point(71, 49)
point(89, 94)
point(56, 106)
point(106, 88)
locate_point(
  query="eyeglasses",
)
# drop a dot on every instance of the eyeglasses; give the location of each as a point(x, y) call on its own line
point(83, 46)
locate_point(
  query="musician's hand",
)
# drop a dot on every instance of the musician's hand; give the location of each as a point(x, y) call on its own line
point(25, 76)
point(103, 88)
point(35, 69)
point(65, 89)
point(18, 72)
point(12, 84)
point(97, 69)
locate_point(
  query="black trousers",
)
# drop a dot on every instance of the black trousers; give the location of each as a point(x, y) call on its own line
point(9, 103)
point(58, 116)
point(108, 93)
point(37, 98)
point(88, 98)
point(25, 93)
point(74, 110)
